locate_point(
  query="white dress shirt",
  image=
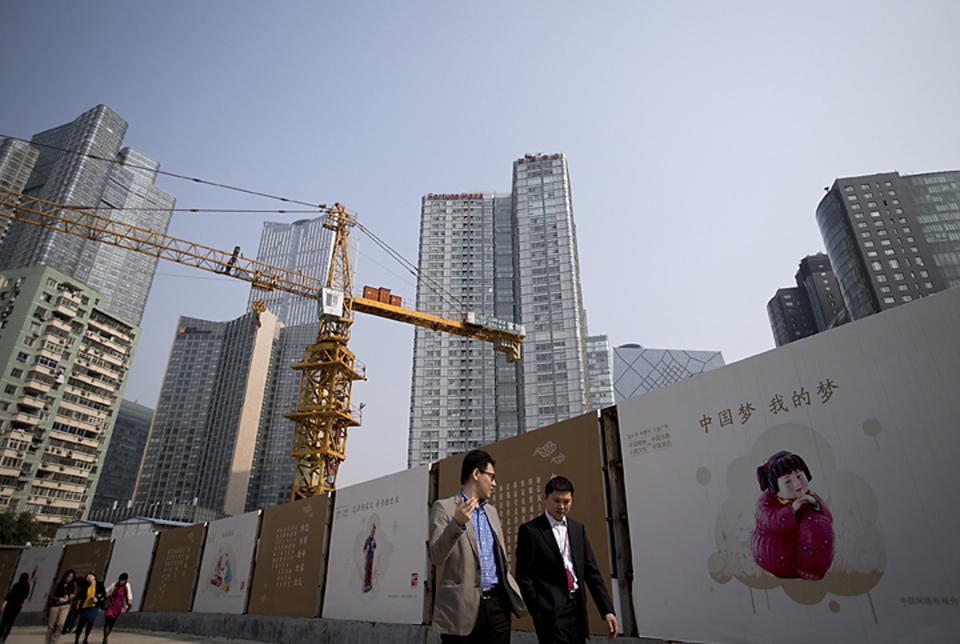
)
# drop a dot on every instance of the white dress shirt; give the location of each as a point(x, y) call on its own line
point(563, 543)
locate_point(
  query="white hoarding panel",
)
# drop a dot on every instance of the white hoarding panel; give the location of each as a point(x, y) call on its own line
point(40, 564)
point(227, 557)
point(378, 557)
point(804, 494)
point(132, 555)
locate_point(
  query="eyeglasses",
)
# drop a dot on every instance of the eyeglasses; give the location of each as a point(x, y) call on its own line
point(493, 477)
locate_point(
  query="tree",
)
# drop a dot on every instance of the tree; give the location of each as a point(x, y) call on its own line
point(16, 529)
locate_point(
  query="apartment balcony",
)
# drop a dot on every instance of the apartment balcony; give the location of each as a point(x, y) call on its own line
point(73, 454)
point(7, 491)
point(34, 385)
point(51, 354)
point(64, 469)
point(25, 418)
point(74, 438)
point(67, 311)
point(59, 324)
point(100, 369)
point(28, 402)
point(52, 484)
point(72, 406)
point(112, 330)
point(9, 471)
point(70, 296)
point(42, 369)
point(89, 395)
point(91, 342)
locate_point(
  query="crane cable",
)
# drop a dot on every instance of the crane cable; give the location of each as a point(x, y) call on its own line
point(314, 208)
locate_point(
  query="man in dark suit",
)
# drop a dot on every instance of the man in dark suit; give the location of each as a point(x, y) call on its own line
point(554, 563)
point(475, 591)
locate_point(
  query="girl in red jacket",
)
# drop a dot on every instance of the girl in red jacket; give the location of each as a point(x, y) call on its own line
point(794, 533)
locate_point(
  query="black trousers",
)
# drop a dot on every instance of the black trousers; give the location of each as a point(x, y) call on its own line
point(565, 626)
point(492, 625)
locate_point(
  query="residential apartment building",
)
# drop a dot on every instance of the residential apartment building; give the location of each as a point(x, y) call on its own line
point(892, 238)
point(65, 363)
point(814, 305)
point(200, 452)
point(120, 180)
point(513, 256)
point(637, 370)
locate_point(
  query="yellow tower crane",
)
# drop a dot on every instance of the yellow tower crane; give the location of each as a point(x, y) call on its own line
point(328, 370)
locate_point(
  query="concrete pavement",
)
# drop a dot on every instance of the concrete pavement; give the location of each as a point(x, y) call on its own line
point(36, 634)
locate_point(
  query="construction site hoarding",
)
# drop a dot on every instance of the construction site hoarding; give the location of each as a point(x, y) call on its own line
point(132, 555)
point(802, 491)
point(378, 562)
point(227, 562)
point(174, 570)
point(291, 563)
point(571, 448)
point(87, 557)
point(40, 564)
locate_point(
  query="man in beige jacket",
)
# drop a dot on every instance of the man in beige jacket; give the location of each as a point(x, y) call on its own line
point(475, 591)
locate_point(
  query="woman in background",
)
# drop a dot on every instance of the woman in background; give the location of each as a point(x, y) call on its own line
point(90, 596)
point(59, 604)
point(119, 599)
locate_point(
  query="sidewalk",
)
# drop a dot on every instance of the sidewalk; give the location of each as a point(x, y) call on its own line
point(35, 634)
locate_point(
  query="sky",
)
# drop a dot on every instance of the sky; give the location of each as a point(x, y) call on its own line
point(699, 136)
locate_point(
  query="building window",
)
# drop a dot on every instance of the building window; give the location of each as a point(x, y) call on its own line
point(881, 277)
point(888, 300)
point(10, 389)
point(877, 266)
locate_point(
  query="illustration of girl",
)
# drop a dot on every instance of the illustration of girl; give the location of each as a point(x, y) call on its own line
point(794, 532)
point(369, 546)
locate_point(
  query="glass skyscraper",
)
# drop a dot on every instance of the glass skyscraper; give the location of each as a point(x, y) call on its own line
point(814, 305)
point(892, 238)
point(200, 450)
point(120, 181)
point(512, 256)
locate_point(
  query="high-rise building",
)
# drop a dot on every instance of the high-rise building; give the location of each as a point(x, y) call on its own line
point(512, 256)
point(303, 246)
point(600, 372)
point(86, 166)
point(65, 361)
point(814, 305)
point(271, 478)
point(122, 462)
point(16, 162)
point(201, 446)
point(637, 370)
point(892, 238)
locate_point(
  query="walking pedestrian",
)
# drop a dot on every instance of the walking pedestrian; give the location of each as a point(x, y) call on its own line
point(12, 604)
point(90, 596)
point(119, 599)
point(59, 605)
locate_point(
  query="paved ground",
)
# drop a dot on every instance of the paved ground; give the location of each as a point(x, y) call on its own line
point(35, 635)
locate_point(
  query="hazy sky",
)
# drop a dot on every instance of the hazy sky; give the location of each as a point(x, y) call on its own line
point(699, 136)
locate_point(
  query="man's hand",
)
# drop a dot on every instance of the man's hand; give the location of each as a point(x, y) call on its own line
point(611, 621)
point(465, 510)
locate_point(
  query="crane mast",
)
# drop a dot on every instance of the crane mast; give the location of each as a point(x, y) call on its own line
point(327, 373)
point(329, 368)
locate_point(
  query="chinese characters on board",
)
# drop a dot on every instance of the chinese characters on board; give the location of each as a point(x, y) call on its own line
point(778, 404)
